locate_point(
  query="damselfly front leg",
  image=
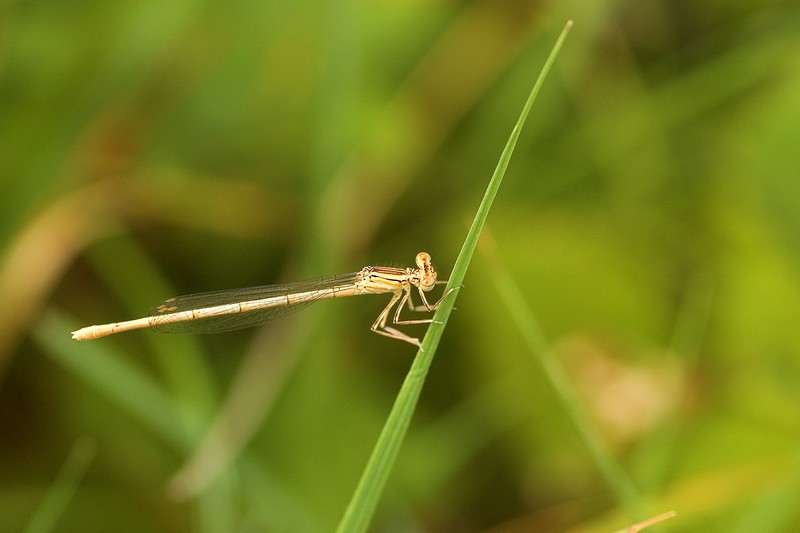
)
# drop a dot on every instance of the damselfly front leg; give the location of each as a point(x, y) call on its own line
point(425, 305)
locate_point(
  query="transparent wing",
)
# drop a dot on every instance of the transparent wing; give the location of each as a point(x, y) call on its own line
point(308, 291)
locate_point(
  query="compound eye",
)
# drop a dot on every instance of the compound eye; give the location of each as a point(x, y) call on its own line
point(423, 260)
point(428, 283)
point(427, 275)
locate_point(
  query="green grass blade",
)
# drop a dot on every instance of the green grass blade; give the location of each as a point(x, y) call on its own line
point(63, 488)
point(114, 377)
point(365, 498)
point(565, 393)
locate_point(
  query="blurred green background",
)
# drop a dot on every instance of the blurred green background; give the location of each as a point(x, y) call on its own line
point(649, 218)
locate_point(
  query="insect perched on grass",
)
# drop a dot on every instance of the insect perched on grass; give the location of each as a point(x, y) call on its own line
point(214, 312)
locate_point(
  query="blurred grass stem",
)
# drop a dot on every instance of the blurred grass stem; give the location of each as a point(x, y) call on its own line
point(64, 487)
point(523, 317)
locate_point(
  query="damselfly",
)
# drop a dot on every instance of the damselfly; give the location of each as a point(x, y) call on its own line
point(214, 312)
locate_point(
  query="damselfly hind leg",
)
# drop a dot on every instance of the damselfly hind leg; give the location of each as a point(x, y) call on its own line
point(381, 328)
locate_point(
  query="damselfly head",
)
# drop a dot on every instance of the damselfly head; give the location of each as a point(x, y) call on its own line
point(427, 277)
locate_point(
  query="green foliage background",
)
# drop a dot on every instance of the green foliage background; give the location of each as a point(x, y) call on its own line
point(649, 219)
